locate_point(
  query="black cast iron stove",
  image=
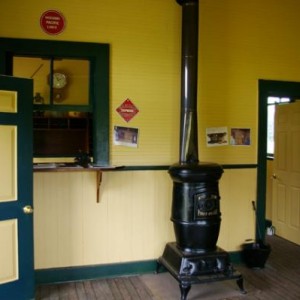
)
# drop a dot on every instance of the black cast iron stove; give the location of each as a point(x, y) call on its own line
point(194, 257)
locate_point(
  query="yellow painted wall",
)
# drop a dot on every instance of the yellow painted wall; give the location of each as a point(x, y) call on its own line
point(240, 42)
point(144, 65)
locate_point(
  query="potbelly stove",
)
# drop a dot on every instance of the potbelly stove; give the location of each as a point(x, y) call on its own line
point(194, 257)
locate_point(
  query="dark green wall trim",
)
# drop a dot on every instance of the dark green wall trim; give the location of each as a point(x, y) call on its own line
point(144, 168)
point(166, 167)
point(236, 257)
point(99, 56)
point(242, 166)
point(58, 275)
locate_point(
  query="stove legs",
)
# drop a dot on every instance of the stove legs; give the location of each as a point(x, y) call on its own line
point(240, 283)
point(184, 289)
point(196, 268)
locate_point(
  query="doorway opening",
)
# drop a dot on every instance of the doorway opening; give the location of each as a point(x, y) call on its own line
point(267, 89)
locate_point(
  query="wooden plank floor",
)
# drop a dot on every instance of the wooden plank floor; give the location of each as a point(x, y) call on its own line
point(103, 289)
point(280, 279)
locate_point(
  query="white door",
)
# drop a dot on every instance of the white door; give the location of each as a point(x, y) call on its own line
point(286, 177)
point(16, 219)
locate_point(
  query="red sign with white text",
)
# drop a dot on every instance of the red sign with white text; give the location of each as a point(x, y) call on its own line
point(52, 22)
point(127, 110)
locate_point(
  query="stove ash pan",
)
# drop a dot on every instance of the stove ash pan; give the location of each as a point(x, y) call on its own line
point(196, 213)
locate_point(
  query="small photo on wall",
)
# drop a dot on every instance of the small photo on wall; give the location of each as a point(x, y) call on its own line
point(240, 137)
point(126, 136)
point(216, 136)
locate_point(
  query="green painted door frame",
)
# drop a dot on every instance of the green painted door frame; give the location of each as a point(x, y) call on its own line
point(266, 89)
point(22, 287)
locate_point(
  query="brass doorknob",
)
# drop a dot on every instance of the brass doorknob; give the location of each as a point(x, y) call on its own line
point(28, 209)
point(274, 176)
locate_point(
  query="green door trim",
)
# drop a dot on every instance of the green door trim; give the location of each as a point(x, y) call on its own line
point(23, 288)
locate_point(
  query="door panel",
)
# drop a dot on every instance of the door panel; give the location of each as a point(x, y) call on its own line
point(281, 192)
point(8, 101)
point(8, 162)
point(295, 207)
point(281, 142)
point(9, 257)
point(16, 227)
point(286, 183)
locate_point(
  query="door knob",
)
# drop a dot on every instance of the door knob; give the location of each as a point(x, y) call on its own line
point(274, 176)
point(28, 209)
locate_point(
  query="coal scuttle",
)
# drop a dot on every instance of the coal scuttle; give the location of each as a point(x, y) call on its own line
point(194, 258)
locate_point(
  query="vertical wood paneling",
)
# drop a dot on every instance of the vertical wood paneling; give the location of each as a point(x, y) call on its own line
point(132, 220)
point(238, 190)
point(71, 228)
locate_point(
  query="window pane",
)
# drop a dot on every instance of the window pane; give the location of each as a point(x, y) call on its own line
point(75, 76)
point(38, 69)
point(70, 82)
point(270, 129)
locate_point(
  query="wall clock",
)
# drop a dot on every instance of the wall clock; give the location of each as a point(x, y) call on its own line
point(59, 82)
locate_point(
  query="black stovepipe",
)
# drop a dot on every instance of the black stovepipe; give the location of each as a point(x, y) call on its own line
point(189, 81)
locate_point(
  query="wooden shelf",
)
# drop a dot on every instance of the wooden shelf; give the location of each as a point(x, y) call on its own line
point(70, 167)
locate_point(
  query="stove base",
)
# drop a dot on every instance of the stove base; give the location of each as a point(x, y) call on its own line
point(190, 268)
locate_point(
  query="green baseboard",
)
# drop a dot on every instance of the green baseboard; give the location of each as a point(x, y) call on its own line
point(68, 274)
point(58, 275)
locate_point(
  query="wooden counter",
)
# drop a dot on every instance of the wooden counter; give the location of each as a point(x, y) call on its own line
point(72, 167)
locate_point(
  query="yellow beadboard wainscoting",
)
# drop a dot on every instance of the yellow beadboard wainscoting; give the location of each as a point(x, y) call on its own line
point(132, 220)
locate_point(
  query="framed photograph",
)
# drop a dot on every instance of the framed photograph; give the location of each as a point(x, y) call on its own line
point(240, 136)
point(126, 136)
point(216, 136)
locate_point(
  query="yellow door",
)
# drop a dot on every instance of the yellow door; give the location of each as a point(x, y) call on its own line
point(16, 220)
point(286, 177)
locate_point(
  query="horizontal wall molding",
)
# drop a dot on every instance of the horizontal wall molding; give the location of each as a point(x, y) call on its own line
point(68, 274)
point(166, 167)
point(241, 166)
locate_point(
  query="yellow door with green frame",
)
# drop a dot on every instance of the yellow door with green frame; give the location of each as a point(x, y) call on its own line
point(16, 189)
point(286, 176)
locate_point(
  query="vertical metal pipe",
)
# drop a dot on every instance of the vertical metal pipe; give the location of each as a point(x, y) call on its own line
point(189, 81)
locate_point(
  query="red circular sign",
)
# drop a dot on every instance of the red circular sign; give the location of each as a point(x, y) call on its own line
point(52, 22)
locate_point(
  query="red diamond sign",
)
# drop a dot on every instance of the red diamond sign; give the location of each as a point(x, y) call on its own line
point(127, 110)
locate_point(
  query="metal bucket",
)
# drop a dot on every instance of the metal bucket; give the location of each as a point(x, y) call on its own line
point(255, 254)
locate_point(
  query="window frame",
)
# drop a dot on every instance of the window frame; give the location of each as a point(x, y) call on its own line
point(277, 100)
point(97, 54)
